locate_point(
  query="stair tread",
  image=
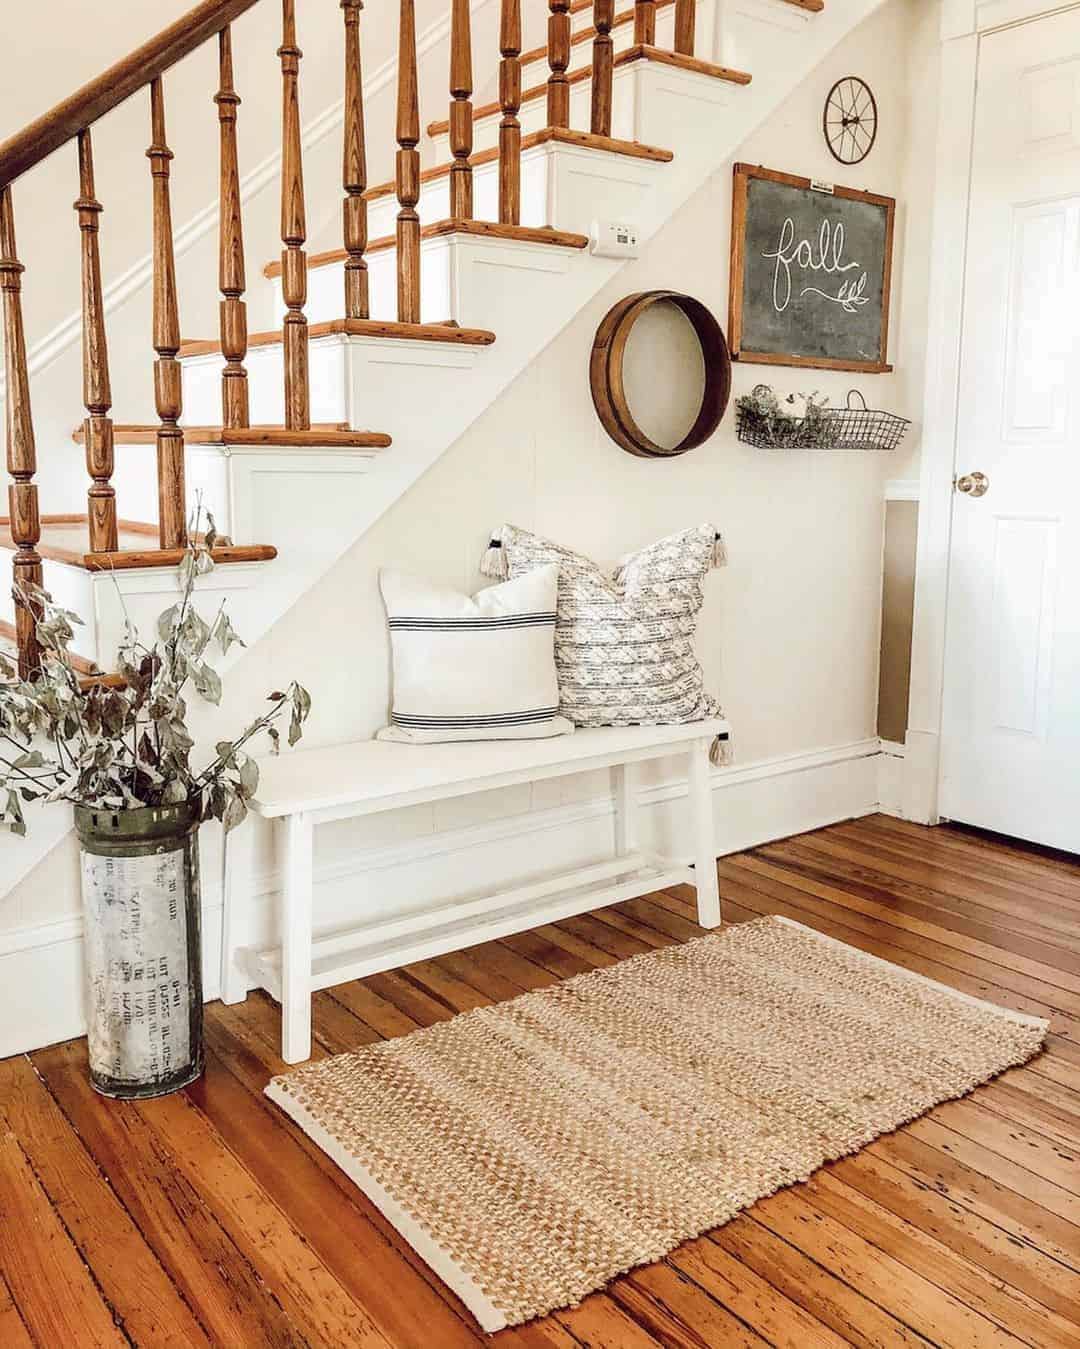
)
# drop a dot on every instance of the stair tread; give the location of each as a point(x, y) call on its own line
point(331, 435)
point(638, 52)
point(559, 135)
point(488, 229)
point(621, 20)
point(417, 332)
point(64, 539)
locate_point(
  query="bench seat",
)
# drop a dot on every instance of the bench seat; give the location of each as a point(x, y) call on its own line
point(302, 789)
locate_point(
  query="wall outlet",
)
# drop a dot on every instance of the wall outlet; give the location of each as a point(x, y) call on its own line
point(611, 239)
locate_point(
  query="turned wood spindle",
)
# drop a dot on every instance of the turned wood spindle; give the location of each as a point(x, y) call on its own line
point(685, 19)
point(510, 102)
point(461, 111)
point(408, 170)
point(25, 518)
point(558, 87)
point(172, 523)
point(97, 390)
point(293, 231)
point(603, 58)
point(354, 170)
point(232, 278)
point(645, 23)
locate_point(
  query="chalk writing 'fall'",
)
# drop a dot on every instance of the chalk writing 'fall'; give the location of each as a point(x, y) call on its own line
point(827, 259)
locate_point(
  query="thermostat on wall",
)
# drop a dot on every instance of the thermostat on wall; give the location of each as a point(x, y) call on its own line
point(611, 239)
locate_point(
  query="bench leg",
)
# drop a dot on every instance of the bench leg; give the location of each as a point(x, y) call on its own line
point(296, 941)
point(237, 863)
point(701, 812)
point(626, 809)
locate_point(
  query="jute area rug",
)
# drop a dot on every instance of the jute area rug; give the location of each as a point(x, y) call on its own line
point(533, 1150)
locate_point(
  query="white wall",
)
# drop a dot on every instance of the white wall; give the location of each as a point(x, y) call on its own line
point(789, 634)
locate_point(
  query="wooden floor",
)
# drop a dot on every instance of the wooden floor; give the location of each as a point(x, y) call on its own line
point(207, 1218)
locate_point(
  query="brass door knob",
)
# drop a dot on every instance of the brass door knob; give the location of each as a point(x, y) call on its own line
point(973, 484)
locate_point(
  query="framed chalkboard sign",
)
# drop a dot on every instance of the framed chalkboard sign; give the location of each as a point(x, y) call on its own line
point(811, 269)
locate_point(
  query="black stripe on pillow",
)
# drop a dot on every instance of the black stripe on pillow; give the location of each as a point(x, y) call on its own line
point(414, 722)
point(407, 624)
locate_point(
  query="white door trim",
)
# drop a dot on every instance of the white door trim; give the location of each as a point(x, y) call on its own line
point(963, 22)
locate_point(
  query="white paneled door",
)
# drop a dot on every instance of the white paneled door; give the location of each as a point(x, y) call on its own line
point(1011, 728)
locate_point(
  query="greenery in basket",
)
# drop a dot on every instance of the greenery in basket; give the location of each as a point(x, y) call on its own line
point(66, 738)
point(801, 421)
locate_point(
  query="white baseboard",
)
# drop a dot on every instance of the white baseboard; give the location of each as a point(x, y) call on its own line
point(41, 968)
point(892, 779)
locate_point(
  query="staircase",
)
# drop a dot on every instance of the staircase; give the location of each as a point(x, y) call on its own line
point(447, 283)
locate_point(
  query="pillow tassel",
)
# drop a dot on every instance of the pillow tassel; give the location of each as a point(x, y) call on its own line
point(719, 552)
point(722, 752)
point(495, 562)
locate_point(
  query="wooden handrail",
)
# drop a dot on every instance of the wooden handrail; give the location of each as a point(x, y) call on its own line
point(75, 114)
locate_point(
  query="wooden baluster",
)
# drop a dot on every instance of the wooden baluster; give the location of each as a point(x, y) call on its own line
point(461, 111)
point(97, 390)
point(645, 23)
point(685, 18)
point(293, 232)
point(168, 392)
point(408, 170)
point(21, 455)
point(510, 102)
point(558, 89)
point(232, 278)
point(354, 171)
point(603, 58)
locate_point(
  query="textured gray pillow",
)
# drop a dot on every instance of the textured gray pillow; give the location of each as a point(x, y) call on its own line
point(624, 644)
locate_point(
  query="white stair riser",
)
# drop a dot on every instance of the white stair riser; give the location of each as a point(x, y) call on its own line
point(560, 186)
point(70, 587)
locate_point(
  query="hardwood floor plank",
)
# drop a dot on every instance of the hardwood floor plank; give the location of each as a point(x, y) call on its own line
point(1012, 1194)
point(211, 1216)
point(316, 1301)
point(57, 1297)
point(856, 1319)
point(128, 1273)
point(678, 1313)
point(765, 894)
point(877, 1275)
point(13, 1331)
point(1025, 1248)
point(335, 1219)
point(929, 883)
point(234, 1304)
point(789, 864)
point(746, 1294)
point(971, 1260)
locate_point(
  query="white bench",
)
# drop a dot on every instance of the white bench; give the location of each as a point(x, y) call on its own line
point(311, 787)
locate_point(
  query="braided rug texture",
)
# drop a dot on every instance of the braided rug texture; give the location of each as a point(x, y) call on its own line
point(533, 1150)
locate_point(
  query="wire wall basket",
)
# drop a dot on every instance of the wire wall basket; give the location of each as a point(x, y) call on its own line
point(852, 427)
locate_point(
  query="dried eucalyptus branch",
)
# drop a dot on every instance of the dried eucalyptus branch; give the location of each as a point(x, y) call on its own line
point(84, 741)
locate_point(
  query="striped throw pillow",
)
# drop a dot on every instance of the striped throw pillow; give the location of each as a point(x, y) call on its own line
point(468, 668)
point(624, 642)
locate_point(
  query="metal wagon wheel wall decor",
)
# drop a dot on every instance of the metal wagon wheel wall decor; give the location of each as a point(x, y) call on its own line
point(850, 120)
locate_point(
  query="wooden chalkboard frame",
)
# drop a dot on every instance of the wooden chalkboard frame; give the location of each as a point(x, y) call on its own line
point(739, 352)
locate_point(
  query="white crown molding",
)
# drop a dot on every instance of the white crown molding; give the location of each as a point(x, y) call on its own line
point(66, 333)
